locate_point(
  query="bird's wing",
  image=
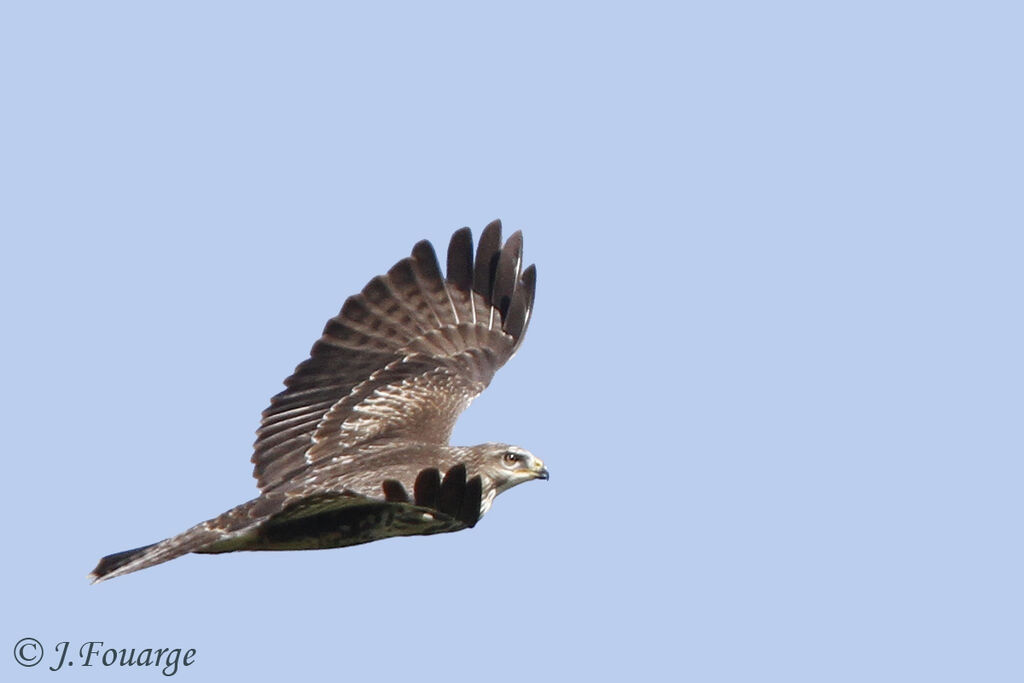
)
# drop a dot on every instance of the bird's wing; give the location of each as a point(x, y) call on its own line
point(332, 519)
point(404, 357)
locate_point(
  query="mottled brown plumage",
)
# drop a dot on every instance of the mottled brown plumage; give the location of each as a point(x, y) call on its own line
point(355, 449)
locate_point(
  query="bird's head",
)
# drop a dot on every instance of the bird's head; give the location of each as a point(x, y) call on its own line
point(507, 465)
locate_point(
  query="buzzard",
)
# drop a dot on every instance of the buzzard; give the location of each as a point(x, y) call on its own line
point(355, 449)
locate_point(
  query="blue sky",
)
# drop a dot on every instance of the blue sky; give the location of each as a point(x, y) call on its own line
point(774, 368)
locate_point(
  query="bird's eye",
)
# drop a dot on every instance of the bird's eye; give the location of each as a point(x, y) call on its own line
point(511, 458)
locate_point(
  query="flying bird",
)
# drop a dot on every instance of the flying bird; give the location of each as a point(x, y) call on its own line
point(356, 448)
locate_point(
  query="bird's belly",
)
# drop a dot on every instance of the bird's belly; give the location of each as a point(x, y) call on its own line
point(348, 526)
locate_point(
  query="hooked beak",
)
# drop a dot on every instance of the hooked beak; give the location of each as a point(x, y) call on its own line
point(542, 471)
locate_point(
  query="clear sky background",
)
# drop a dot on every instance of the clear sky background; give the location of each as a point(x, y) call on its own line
point(775, 364)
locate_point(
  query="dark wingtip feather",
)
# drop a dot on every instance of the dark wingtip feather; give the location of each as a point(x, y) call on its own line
point(522, 305)
point(515, 321)
point(427, 488)
point(507, 276)
point(394, 492)
point(460, 259)
point(487, 251)
point(469, 512)
point(453, 490)
point(494, 225)
point(424, 253)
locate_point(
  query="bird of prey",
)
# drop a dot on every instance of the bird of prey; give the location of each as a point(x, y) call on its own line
point(355, 449)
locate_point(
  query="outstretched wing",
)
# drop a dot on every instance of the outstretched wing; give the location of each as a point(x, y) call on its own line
point(334, 519)
point(404, 357)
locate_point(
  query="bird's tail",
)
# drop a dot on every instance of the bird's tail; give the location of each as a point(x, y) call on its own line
point(221, 534)
point(127, 561)
point(111, 563)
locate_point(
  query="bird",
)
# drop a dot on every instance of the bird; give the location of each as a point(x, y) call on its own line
point(356, 447)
